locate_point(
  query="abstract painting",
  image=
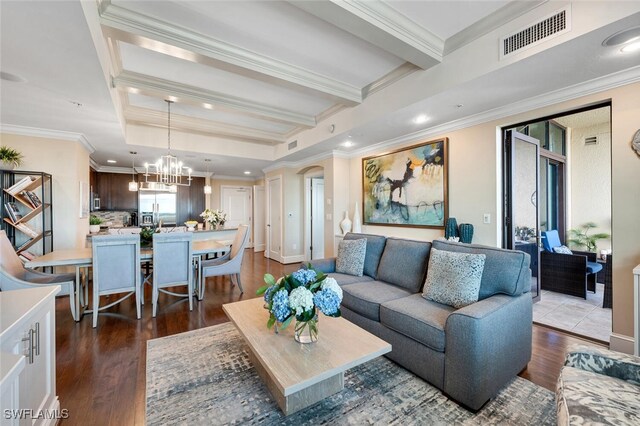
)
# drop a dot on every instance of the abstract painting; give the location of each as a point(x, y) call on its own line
point(407, 187)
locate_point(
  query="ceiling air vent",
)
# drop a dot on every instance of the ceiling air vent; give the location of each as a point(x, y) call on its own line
point(551, 26)
point(293, 144)
point(591, 140)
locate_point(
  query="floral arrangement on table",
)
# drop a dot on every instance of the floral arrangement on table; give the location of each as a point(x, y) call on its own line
point(216, 218)
point(300, 295)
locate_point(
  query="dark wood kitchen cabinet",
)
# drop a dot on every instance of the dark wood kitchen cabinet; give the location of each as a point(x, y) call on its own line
point(113, 191)
point(191, 201)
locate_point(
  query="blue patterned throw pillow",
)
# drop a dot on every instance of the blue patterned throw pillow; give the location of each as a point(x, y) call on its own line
point(453, 278)
point(350, 259)
point(562, 249)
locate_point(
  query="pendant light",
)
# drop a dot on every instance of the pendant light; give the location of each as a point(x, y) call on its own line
point(133, 185)
point(207, 188)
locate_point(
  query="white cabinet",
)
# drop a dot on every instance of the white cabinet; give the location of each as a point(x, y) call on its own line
point(27, 327)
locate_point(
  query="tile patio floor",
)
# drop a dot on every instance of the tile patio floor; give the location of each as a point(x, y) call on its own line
point(574, 314)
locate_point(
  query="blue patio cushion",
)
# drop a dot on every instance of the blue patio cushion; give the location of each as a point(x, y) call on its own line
point(365, 298)
point(505, 271)
point(375, 247)
point(420, 319)
point(593, 267)
point(404, 263)
point(550, 239)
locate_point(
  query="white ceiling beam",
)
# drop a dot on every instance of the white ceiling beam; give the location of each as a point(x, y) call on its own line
point(380, 24)
point(144, 31)
point(152, 86)
point(190, 124)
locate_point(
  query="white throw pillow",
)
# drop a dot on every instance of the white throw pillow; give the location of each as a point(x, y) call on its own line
point(350, 259)
point(453, 278)
point(562, 249)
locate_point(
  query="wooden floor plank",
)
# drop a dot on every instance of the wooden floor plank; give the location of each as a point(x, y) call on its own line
point(101, 373)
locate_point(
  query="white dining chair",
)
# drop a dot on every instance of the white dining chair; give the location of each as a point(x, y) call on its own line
point(116, 269)
point(14, 276)
point(172, 265)
point(229, 264)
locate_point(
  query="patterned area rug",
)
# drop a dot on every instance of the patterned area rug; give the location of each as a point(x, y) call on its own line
point(205, 377)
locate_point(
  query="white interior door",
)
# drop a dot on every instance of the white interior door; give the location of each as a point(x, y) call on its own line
point(317, 218)
point(258, 218)
point(274, 220)
point(236, 203)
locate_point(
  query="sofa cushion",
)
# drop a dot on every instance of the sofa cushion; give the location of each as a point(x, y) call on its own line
point(350, 259)
point(375, 247)
point(585, 397)
point(365, 298)
point(505, 271)
point(404, 263)
point(344, 279)
point(562, 250)
point(417, 318)
point(453, 278)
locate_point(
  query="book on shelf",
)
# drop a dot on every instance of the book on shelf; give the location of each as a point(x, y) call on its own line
point(26, 256)
point(12, 211)
point(32, 198)
point(26, 230)
point(20, 185)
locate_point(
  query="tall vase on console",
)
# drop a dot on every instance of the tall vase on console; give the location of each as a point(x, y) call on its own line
point(345, 225)
point(357, 222)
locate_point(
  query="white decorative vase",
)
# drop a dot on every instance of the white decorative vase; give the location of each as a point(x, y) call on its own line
point(94, 229)
point(5, 165)
point(345, 225)
point(357, 222)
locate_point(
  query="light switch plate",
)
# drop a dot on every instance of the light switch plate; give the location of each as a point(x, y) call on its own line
point(486, 218)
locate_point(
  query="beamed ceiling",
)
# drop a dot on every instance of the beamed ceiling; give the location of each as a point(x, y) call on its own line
point(246, 77)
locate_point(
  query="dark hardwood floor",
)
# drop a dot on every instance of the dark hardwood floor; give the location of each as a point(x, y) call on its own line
point(101, 372)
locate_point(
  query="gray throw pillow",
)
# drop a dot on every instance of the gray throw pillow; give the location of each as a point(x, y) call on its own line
point(562, 249)
point(350, 259)
point(453, 278)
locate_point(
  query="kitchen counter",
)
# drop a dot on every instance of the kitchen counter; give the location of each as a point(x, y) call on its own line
point(198, 235)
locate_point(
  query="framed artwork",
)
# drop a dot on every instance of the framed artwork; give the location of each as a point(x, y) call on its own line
point(407, 187)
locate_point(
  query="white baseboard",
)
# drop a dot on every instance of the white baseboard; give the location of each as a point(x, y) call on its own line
point(293, 259)
point(258, 247)
point(621, 343)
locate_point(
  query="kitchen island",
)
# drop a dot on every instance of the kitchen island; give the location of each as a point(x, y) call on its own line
point(226, 234)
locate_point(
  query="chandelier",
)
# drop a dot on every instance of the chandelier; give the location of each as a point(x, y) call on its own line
point(169, 171)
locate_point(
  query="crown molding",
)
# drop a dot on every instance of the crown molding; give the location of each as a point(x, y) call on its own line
point(600, 84)
point(130, 26)
point(190, 124)
point(128, 170)
point(307, 161)
point(500, 17)
point(390, 78)
point(216, 177)
point(381, 25)
point(48, 133)
point(198, 96)
point(334, 109)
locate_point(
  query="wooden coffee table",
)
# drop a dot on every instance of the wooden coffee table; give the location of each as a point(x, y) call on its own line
point(299, 375)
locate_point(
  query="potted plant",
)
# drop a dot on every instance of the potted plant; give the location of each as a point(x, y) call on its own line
point(580, 237)
point(9, 158)
point(94, 224)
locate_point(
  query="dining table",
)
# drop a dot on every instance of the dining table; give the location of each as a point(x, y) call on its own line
point(82, 258)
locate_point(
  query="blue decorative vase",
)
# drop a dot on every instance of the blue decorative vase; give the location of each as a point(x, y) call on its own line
point(451, 229)
point(466, 232)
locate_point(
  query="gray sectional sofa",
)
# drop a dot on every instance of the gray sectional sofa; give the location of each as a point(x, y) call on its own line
point(468, 353)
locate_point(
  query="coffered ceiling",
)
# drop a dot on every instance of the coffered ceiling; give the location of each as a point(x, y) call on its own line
point(246, 77)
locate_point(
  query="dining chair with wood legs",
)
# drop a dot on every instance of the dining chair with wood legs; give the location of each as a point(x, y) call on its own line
point(229, 264)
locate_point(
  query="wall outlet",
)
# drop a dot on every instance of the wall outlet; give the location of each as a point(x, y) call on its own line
point(486, 218)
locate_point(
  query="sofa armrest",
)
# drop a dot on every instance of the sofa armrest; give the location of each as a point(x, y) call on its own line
point(604, 361)
point(487, 344)
point(327, 265)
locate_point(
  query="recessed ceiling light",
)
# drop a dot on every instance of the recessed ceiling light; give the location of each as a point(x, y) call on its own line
point(631, 47)
point(112, 161)
point(247, 172)
point(7, 76)
point(420, 119)
point(622, 37)
point(207, 106)
point(347, 144)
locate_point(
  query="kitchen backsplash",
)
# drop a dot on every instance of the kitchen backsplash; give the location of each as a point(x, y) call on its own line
point(112, 218)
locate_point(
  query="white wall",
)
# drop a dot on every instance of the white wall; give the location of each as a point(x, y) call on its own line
point(68, 163)
point(590, 180)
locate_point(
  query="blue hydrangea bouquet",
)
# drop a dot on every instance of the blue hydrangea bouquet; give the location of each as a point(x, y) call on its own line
point(300, 295)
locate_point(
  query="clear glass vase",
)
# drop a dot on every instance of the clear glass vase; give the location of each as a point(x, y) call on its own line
point(307, 331)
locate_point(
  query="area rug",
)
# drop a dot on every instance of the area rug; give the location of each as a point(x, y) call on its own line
point(205, 377)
